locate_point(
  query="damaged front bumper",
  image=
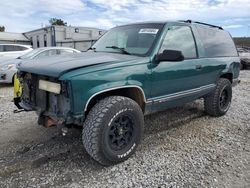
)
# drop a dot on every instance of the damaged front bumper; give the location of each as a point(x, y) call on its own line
point(52, 109)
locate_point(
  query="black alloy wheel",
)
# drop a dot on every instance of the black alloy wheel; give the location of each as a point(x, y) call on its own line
point(121, 132)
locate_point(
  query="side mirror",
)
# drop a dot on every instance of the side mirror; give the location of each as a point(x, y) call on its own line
point(170, 55)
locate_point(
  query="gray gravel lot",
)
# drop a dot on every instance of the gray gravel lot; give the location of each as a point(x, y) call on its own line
point(182, 147)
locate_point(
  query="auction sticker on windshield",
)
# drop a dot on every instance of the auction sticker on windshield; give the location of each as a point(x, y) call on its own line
point(148, 31)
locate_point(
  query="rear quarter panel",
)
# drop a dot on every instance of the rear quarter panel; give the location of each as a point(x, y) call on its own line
point(214, 68)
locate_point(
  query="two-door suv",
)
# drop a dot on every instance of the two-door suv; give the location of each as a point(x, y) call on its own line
point(131, 71)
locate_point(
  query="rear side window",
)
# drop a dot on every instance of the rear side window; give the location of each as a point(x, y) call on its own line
point(216, 42)
point(11, 48)
point(180, 38)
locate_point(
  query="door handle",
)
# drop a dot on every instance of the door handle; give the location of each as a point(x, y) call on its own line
point(198, 67)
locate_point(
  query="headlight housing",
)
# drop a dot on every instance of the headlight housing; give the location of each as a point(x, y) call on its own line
point(50, 86)
point(7, 67)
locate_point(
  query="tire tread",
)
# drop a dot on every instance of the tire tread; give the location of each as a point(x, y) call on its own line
point(211, 101)
point(91, 134)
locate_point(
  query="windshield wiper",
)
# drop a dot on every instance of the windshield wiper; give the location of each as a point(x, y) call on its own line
point(118, 48)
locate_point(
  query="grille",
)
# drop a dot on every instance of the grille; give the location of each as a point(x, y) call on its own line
point(31, 94)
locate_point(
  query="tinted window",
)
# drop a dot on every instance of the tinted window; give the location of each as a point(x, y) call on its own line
point(216, 42)
point(53, 52)
point(43, 54)
point(10, 48)
point(180, 38)
point(19, 48)
point(47, 53)
point(1, 48)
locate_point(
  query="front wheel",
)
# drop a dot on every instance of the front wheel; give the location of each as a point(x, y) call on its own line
point(218, 102)
point(113, 130)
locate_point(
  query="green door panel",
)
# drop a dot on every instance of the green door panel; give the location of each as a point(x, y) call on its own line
point(173, 77)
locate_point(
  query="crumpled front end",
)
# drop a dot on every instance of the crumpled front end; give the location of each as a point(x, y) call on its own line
point(52, 108)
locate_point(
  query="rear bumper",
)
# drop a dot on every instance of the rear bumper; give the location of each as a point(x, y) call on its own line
point(235, 82)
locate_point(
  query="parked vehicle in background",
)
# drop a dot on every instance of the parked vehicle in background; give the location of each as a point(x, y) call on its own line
point(244, 53)
point(131, 71)
point(8, 67)
point(11, 51)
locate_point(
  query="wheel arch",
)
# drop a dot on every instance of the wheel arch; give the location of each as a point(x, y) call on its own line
point(133, 92)
point(232, 70)
point(228, 76)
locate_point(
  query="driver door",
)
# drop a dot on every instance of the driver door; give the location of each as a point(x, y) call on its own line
point(171, 80)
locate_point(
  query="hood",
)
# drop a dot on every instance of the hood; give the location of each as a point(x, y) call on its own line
point(58, 65)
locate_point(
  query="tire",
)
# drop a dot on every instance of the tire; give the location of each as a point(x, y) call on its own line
point(218, 102)
point(113, 130)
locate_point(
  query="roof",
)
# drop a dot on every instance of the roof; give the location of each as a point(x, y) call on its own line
point(178, 21)
point(8, 36)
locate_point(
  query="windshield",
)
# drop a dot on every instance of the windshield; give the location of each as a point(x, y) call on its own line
point(30, 54)
point(131, 39)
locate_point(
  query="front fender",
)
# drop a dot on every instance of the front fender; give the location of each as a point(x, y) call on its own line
point(85, 86)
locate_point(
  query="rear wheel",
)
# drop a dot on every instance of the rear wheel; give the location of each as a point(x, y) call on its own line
point(218, 102)
point(113, 130)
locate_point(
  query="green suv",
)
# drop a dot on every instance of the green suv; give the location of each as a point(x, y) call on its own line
point(131, 71)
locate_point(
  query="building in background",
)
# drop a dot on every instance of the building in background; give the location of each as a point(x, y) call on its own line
point(13, 38)
point(80, 38)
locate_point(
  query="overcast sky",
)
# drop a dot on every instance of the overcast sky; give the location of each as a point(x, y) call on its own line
point(26, 15)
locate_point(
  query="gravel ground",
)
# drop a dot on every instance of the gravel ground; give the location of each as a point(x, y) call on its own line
point(182, 147)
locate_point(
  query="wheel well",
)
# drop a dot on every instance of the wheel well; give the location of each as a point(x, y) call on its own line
point(228, 76)
point(133, 93)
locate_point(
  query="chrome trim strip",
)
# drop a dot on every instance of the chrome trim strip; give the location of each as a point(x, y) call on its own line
point(181, 94)
point(113, 88)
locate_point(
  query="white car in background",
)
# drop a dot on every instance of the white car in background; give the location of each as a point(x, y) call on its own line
point(8, 68)
point(11, 51)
